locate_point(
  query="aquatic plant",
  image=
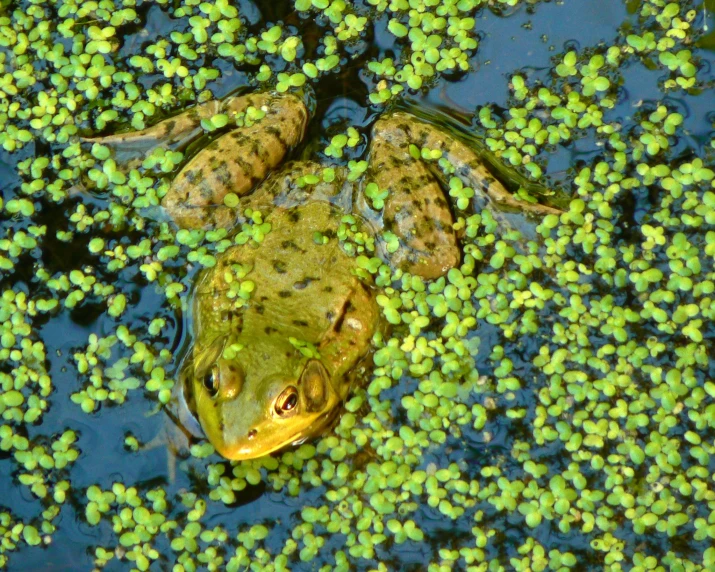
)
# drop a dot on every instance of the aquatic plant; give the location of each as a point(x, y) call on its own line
point(557, 385)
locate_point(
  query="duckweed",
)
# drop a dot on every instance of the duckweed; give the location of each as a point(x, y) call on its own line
point(557, 383)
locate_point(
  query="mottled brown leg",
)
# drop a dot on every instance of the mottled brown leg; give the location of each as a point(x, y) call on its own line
point(175, 132)
point(130, 148)
point(235, 162)
point(467, 164)
point(415, 209)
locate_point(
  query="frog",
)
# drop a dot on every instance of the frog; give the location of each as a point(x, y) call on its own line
point(272, 370)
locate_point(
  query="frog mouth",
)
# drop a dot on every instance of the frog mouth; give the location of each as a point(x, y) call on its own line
point(248, 450)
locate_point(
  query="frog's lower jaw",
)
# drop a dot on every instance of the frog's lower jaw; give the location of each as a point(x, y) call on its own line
point(250, 450)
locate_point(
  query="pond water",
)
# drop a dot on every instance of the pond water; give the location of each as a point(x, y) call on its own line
point(556, 409)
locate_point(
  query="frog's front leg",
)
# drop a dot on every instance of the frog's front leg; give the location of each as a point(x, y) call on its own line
point(415, 210)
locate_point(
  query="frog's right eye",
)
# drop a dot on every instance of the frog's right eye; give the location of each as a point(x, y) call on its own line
point(211, 381)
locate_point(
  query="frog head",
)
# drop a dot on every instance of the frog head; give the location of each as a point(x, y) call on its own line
point(266, 396)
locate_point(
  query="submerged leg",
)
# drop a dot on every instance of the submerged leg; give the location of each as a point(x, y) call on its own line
point(298, 183)
point(416, 209)
point(406, 129)
point(131, 147)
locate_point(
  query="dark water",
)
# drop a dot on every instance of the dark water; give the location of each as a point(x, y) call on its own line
point(523, 39)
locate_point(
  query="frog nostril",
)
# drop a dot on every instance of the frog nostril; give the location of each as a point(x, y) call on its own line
point(252, 433)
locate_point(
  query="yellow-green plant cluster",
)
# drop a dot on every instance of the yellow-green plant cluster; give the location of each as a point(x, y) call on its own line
point(550, 402)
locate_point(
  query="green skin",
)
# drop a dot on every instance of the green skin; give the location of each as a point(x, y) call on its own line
point(269, 395)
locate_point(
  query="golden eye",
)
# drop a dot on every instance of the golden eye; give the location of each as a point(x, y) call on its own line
point(211, 381)
point(287, 401)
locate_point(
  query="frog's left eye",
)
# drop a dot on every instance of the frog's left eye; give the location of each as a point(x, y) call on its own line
point(211, 381)
point(287, 401)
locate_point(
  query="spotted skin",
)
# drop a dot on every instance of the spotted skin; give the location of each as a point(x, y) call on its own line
point(305, 291)
point(416, 209)
point(235, 162)
point(402, 129)
point(173, 133)
point(309, 322)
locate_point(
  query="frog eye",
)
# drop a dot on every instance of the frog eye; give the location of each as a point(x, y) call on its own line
point(211, 381)
point(287, 401)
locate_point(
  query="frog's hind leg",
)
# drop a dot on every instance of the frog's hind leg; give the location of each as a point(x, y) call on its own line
point(415, 209)
point(234, 162)
point(178, 131)
point(411, 209)
point(490, 193)
point(237, 161)
point(130, 148)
